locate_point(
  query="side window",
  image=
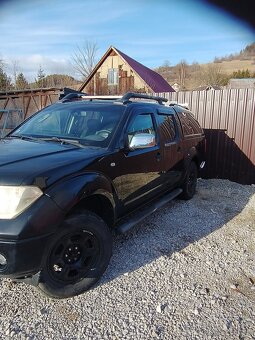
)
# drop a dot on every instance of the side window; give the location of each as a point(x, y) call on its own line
point(141, 124)
point(167, 127)
point(189, 125)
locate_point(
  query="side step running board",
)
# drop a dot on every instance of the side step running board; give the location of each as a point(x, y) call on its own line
point(140, 215)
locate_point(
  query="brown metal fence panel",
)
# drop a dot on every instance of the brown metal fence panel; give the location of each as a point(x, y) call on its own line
point(29, 101)
point(227, 116)
point(228, 119)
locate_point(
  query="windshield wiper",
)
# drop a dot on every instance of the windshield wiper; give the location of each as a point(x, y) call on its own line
point(23, 137)
point(63, 141)
point(51, 139)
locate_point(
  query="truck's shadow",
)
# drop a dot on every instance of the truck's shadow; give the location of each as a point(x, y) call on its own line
point(177, 225)
point(225, 159)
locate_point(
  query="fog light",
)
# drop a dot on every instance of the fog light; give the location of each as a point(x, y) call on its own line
point(3, 261)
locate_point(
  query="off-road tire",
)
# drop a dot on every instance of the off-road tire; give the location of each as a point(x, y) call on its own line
point(77, 256)
point(190, 182)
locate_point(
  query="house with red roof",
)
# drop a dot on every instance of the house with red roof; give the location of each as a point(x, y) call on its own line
point(116, 73)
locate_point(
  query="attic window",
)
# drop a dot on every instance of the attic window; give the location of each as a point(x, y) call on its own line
point(113, 76)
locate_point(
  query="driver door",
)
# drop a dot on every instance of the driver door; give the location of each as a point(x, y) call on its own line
point(141, 166)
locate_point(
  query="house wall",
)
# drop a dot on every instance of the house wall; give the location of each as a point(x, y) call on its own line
point(128, 80)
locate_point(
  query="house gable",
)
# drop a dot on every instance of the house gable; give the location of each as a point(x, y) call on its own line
point(117, 73)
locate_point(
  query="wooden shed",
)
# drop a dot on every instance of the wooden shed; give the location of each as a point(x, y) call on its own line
point(117, 73)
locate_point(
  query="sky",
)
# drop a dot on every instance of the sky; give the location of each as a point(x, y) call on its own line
point(45, 33)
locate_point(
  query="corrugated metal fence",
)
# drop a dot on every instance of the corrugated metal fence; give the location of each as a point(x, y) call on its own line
point(228, 118)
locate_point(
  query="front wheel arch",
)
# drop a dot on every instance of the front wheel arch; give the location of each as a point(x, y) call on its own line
point(97, 204)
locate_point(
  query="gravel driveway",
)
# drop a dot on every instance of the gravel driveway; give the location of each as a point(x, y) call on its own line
point(186, 272)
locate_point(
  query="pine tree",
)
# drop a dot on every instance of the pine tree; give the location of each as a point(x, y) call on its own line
point(40, 81)
point(241, 74)
point(21, 82)
point(5, 81)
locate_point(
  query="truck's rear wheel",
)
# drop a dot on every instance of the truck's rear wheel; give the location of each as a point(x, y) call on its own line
point(77, 257)
point(190, 182)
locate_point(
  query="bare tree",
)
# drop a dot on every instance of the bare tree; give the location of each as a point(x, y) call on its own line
point(84, 58)
point(211, 74)
point(182, 68)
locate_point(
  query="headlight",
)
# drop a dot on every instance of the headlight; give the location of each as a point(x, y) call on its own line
point(15, 199)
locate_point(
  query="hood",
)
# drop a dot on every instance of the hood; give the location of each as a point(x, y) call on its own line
point(42, 163)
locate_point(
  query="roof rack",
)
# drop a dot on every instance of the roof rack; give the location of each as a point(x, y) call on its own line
point(109, 97)
point(126, 98)
point(70, 94)
point(184, 105)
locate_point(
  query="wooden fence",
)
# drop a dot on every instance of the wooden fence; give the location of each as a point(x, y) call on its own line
point(228, 119)
point(29, 101)
point(227, 116)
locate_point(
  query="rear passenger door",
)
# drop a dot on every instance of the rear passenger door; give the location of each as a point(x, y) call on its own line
point(170, 140)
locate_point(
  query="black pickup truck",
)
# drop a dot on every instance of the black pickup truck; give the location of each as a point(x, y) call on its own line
point(72, 171)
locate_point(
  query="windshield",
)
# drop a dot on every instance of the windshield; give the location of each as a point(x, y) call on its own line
point(87, 124)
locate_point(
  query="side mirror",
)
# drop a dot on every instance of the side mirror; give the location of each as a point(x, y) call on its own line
point(142, 141)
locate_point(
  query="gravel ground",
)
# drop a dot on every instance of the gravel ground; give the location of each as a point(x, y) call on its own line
point(186, 272)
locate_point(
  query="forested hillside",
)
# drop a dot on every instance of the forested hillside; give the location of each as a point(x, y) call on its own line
point(191, 76)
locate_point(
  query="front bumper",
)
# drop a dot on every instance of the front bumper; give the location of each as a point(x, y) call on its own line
point(24, 240)
point(23, 258)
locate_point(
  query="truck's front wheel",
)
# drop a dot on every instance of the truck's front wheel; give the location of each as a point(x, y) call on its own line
point(77, 256)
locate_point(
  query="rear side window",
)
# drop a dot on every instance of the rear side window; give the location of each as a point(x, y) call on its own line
point(189, 124)
point(167, 127)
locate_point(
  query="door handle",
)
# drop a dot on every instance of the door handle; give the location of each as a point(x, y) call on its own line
point(158, 156)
